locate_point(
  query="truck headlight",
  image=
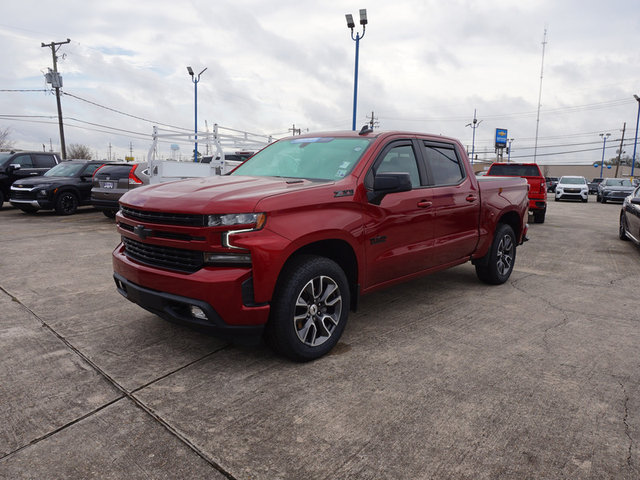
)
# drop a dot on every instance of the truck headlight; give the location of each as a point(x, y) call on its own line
point(254, 221)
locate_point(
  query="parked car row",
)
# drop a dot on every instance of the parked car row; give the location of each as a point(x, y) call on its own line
point(33, 181)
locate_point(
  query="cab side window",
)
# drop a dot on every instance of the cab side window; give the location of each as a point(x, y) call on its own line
point(444, 165)
point(400, 159)
point(23, 160)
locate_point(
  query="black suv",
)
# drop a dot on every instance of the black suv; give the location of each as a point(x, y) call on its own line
point(63, 188)
point(18, 165)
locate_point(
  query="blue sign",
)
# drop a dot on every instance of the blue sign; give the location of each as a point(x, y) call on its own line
point(501, 137)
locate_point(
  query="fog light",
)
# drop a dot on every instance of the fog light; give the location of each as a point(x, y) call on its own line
point(198, 313)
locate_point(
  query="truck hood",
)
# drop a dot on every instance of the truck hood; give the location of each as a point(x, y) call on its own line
point(208, 195)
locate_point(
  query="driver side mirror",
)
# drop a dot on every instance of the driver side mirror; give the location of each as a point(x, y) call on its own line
point(13, 167)
point(389, 182)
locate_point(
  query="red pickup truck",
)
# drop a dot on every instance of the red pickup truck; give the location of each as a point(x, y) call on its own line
point(537, 184)
point(284, 246)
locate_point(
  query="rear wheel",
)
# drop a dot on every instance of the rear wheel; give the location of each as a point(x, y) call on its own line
point(496, 268)
point(66, 203)
point(538, 216)
point(1, 198)
point(310, 308)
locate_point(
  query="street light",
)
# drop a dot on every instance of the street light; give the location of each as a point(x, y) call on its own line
point(509, 150)
point(195, 81)
point(635, 143)
point(604, 143)
point(474, 124)
point(351, 25)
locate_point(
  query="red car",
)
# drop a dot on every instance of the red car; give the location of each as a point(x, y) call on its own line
point(537, 184)
point(286, 244)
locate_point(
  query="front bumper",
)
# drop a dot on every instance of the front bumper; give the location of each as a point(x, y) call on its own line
point(223, 294)
point(572, 193)
point(614, 196)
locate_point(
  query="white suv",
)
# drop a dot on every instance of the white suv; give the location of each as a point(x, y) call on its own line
point(572, 187)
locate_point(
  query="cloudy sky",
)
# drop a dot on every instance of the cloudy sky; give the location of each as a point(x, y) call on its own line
point(424, 66)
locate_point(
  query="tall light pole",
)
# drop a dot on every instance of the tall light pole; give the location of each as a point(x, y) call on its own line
point(356, 38)
point(635, 143)
point(195, 81)
point(474, 124)
point(509, 150)
point(604, 144)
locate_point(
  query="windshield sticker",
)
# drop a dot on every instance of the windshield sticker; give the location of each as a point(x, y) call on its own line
point(312, 140)
point(341, 173)
point(345, 164)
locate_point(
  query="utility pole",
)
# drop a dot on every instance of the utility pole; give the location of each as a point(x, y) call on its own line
point(109, 151)
point(624, 127)
point(56, 83)
point(295, 130)
point(373, 121)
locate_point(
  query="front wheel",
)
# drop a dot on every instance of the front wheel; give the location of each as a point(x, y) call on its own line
point(496, 268)
point(310, 308)
point(109, 213)
point(622, 232)
point(66, 203)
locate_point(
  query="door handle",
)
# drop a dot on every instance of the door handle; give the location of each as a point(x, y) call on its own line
point(424, 203)
point(33, 173)
point(471, 198)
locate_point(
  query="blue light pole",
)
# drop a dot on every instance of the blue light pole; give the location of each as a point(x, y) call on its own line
point(351, 25)
point(635, 143)
point(604, 144)
point(195, 81)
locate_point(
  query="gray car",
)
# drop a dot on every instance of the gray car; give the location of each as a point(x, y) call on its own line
point(112, 181)
point(616, 189)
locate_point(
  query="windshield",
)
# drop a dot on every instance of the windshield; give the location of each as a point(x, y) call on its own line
point(64, 169)
point(617, 182)
point(320, 158)
point(573, 180)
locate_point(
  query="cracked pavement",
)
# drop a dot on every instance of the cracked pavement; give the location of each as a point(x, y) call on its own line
point(443, 377)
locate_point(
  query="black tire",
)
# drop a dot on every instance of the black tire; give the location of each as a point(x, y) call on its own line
point(309, 309)
point(622, 233)
point(28, 209)
point(496, 268)
point(538, 216)
point(109, 213)
point(585, 200)
point(66, 203)
point(603, 200)
point(598, 199)
point(1, 198)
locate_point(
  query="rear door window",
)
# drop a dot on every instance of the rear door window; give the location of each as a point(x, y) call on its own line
point(44, 161)
point(443, 164)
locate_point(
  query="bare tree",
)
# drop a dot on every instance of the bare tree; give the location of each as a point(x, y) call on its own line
point(75, 150)
point(5, 142)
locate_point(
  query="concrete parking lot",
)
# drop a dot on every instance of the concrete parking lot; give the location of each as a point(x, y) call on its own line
point(440, 378)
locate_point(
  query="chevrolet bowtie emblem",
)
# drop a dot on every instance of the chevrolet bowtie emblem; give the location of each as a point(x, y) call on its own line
point(142, 232)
